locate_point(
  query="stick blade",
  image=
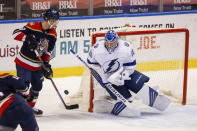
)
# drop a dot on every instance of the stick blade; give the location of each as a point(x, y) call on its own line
point(75, 106)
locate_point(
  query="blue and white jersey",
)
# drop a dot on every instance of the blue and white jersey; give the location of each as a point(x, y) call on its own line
point(122, 56)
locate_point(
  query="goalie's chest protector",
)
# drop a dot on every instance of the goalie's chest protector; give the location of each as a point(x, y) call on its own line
point(111, 62)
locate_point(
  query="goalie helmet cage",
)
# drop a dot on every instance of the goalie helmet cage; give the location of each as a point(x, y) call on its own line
point(148, 32)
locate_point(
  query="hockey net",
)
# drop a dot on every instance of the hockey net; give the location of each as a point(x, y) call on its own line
point(161, 54)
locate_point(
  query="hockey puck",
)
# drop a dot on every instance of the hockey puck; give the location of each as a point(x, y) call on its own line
point(66, 92)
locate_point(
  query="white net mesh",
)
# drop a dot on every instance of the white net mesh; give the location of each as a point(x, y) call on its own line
point(160, 54)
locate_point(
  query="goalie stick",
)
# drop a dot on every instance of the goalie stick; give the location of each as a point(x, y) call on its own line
point(68, 107)
point(99, 79)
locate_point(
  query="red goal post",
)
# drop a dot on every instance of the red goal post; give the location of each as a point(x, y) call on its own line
point(152, 32)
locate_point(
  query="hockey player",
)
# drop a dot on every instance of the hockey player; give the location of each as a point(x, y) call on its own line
point(14, 109)
point(40, 36)
point(116, 58)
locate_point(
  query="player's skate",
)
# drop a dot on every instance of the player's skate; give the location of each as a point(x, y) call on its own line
point(105, 106)
point(37, 112)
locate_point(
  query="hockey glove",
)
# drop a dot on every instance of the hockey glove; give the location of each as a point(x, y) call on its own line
point(47, 70)
point(120, 76)
point(126, 74)
point(31, 42)
point(115, 78)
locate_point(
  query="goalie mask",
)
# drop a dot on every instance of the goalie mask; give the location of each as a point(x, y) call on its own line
point(52, 17)
point(111, 40)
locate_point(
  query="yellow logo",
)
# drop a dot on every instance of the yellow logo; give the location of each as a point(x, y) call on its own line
point(32, 23)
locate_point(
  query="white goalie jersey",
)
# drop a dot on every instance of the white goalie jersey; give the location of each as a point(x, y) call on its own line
point(110, 62)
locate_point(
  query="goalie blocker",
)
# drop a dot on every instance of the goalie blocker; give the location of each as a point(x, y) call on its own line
point(136, 84)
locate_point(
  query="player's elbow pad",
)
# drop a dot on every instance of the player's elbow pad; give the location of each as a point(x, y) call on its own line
point(19, 35)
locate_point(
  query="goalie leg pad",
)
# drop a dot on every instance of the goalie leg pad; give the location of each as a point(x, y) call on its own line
point(121, 109)
point(137, 81)
point(147, 95)
point(123, 90)
point(152, 98)
point(103, 106)
point(106, 106)
point(161, 102)
point(118, 107)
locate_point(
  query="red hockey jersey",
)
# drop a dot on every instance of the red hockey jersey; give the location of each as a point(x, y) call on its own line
point(46, 39)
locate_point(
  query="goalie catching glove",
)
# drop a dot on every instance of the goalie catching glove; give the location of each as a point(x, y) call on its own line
point(47, 70)
point(31, 41)
point(120, 76)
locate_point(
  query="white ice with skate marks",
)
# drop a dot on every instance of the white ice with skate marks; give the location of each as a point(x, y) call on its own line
point(176, 117)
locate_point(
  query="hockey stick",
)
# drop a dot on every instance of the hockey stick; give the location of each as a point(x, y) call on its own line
point(99, 79)
point(70, 107)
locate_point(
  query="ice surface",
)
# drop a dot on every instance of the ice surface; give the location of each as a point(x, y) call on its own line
point(176, 117)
